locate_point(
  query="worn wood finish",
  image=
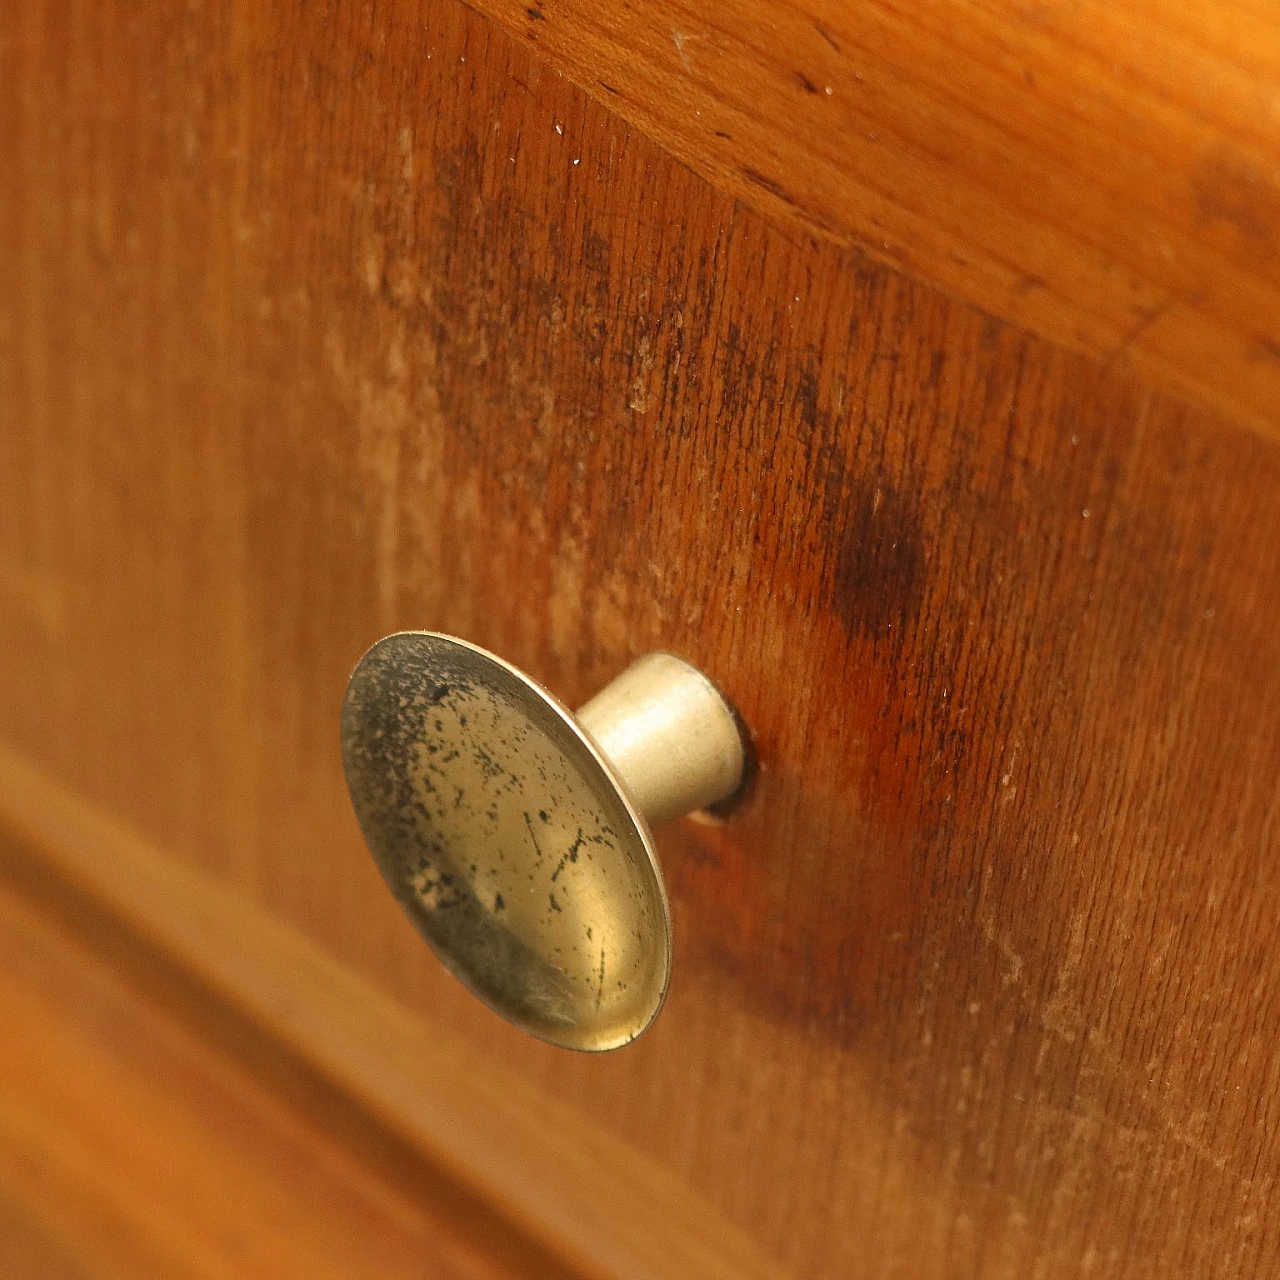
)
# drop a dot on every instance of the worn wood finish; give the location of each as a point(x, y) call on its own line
point(133, 1144)
point(315, 330)
point(305, 1024)
point(1105, 175)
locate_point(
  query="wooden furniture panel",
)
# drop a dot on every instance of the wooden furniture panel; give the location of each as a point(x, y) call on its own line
point(1106, 176)
point(135, 1143)
point(330, 321)
point(505, 1161)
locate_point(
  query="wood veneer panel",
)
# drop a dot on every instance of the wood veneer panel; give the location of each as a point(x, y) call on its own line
point(491, 1162)
point(322, 332)
point(133, 1145)
point(1107, 176)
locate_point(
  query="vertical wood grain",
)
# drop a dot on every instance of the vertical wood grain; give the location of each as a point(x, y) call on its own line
point(335, 321)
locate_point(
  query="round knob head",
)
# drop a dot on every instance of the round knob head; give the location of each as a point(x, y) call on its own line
point(508, 839)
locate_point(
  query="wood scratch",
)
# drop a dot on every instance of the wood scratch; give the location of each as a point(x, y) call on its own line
point(682, 38)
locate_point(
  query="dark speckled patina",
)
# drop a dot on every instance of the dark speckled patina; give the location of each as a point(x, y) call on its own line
point(507, 839)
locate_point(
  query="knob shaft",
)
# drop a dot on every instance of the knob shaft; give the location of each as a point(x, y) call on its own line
point(669, 735)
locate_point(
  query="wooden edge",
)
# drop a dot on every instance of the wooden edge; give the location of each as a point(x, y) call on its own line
point(1101, 177)
point(603, 1207)
point(129, 1040)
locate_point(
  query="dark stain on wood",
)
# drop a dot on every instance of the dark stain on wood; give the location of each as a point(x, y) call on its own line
point(827, 36)
point(1229, 188)
point(878, 578)
point(771, 185)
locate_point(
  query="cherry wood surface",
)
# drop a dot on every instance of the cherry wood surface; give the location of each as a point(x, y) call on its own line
point(327, 321)
point(138, 1142)
point(1106, 175)
point(494, 1150)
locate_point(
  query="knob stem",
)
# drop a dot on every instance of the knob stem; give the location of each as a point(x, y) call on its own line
point(670, 736)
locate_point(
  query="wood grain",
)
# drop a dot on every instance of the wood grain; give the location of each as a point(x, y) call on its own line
point(255, 991)
point(134, 1145)
point(330, 321)
point(1106, 176)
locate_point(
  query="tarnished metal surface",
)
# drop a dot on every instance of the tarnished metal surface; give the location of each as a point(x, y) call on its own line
point(508, 839)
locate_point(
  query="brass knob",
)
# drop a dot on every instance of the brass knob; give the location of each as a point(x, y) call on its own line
point(515, 834)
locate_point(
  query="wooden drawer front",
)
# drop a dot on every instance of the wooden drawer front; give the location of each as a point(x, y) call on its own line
point(328, 322)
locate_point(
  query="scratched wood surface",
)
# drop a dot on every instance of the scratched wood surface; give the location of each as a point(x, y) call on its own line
point(1107, 176)
point(328, 322)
